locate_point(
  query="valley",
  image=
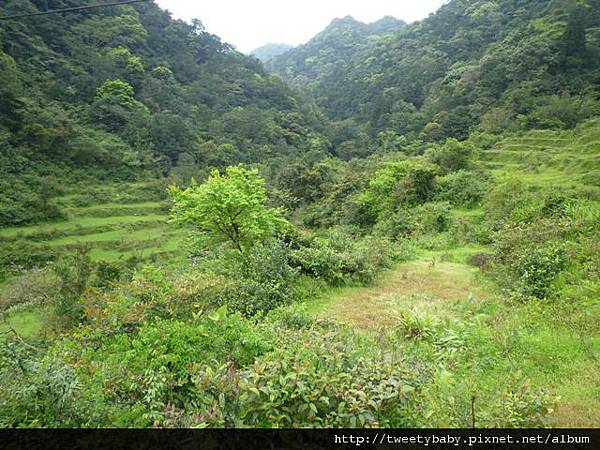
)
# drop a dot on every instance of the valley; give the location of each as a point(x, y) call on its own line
point(393, 225)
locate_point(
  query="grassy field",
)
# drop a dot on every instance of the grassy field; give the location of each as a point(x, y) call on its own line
point(549, 346)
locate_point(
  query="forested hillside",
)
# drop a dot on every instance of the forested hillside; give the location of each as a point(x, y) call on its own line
point(329, 54)
point(400, 228)
point(489, 65)
point(123, 93)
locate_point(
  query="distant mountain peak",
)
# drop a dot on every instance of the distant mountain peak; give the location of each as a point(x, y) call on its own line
point(270, 51)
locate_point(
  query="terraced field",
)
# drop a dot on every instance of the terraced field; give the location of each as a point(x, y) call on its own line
point(116, 221)
point(562, 158)
point(115, 225)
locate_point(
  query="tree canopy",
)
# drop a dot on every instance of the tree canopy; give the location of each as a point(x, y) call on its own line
point(230, 207)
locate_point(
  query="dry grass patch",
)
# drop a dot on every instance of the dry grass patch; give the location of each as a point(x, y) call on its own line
point(433, 288)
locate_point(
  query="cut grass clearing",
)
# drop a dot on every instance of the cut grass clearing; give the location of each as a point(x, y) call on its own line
point(434, 288)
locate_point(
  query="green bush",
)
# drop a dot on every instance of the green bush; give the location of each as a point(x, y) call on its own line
point(462, 188)
point(146, 374)
point(538, 268)
point(432, 218)
point(20, 255)
point(452, 156)
point(42, 392)
point(263, 280)
point(396, 226)
point(324, 383)
point(339, 259)
point(73, 272)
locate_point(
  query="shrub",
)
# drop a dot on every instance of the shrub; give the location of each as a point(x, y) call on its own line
point(73, 272)
point(36, 286)
point(401, 224)
point(405, 183)
point(480, 260)
point(154, 371)
point(452, 156)
point(461, 188)
point(432, 217)
point(150, 294)
point(44, 392)
point(322, 384)
point(339, 259)
point(538, 268)
point(107, 272)
point(22, 255)
point(415, 326)
point(292, 318)
point(262, 281)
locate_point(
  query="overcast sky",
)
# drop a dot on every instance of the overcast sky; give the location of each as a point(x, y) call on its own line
point(252, 23)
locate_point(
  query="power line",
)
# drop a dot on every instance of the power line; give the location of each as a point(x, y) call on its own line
point(77, 8)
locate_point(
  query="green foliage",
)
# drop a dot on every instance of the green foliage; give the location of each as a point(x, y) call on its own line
point(263, 281)
point(321, 385)
point(41, 393)
point(541, 241)
point(538, 269)
point(339, 259)
point(229, 208)
point(562, 111)
point(73, 272)
point(10, 89)
point(432, 218)
point(462, 188)
point(452, 156)
point(405, 183)
point(22, 255)
point(116, 91)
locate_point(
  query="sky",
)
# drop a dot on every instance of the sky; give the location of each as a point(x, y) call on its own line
point(252, 23)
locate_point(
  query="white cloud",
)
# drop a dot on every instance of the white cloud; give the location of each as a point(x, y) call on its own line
point(252, 23)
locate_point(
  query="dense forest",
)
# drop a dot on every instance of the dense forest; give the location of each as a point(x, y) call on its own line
point(474, 65)
point(393, 225)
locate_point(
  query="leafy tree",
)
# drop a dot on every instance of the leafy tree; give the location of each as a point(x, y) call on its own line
point(229, 208)
point(116, 91)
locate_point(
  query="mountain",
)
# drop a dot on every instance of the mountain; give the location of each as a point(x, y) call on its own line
point(329, 54)
point(473, 65)
point(124, 92)
point(270, 51)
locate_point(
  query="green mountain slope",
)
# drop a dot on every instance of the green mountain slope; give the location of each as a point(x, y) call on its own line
point(330, 53)
point(123, 93)
point(474, 64)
